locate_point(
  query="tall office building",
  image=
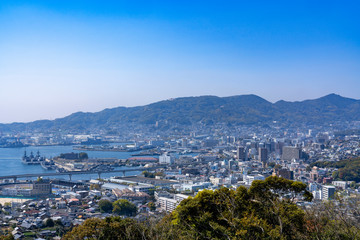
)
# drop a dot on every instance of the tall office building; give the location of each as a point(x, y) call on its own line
point(240, 154)
point(289, 153)
point(184, 142)
point(285, 173)
point(279, 147)
point(263, 155)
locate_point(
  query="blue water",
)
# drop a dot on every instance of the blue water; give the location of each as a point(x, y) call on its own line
point(10, 160)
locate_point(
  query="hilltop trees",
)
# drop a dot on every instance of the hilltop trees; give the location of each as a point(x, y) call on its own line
point(109, 228)
point(347, 170)
point(337, 220)
point(260, 212)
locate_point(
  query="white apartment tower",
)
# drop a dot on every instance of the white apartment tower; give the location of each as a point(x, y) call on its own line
point(166, 159)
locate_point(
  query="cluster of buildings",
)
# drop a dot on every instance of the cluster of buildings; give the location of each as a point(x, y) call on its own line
point(190, 162)
point(70, 207)
point(40, 188)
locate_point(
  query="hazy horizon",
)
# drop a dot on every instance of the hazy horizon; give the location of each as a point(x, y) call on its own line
point(62, 57)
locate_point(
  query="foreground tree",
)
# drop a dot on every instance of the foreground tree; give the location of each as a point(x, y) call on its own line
point(111, 228)
point(337, 220)
point(7, 237)
point(265, 211)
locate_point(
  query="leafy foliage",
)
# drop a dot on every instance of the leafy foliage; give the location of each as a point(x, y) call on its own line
point(255, 213)
point(105, 206)
point(348, 170)
point(334, 220)
point(148, 174)
point(151, 174)
point(124, 207)
point(152, 206)
point(109, 228)
point(49, 223)
point(7, 237)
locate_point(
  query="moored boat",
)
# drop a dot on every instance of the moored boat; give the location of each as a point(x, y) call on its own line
point(31, 159)
point(48, 164)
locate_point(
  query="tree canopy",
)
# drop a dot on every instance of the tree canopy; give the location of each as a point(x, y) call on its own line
point(111, 228)
point(105, 206)
point(261, 212)
point(347, 170)
point(124, 207)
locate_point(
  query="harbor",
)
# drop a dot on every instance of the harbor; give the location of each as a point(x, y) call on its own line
point(11, 160)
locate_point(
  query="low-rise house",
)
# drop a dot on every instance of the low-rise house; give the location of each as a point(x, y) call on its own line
point(130, 195)
point(47, 233)
point(144, 209)
point(28, 225)
point(60, 205)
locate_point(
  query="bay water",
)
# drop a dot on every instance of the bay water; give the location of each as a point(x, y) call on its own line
point(10, 160)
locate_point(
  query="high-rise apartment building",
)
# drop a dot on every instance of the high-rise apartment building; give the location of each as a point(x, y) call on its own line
point(328, 192)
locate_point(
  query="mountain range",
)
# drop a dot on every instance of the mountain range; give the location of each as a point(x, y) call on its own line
point(236, 110)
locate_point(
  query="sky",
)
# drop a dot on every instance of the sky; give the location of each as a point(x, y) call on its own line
point(60, 57)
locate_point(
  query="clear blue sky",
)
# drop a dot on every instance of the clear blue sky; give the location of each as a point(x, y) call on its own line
point(59, 57)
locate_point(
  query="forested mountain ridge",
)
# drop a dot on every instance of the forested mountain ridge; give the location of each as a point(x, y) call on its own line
point(236, 110)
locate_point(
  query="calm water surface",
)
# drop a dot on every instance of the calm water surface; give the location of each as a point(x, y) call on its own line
point(10, 160)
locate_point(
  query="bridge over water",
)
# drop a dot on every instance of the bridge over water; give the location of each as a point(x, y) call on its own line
point(31, 175)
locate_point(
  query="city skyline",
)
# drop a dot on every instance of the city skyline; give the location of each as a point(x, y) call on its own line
point(62, 57)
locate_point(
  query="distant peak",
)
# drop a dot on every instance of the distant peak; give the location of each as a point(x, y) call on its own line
point(336, 97)
point(281, 102)
point(332, 95)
